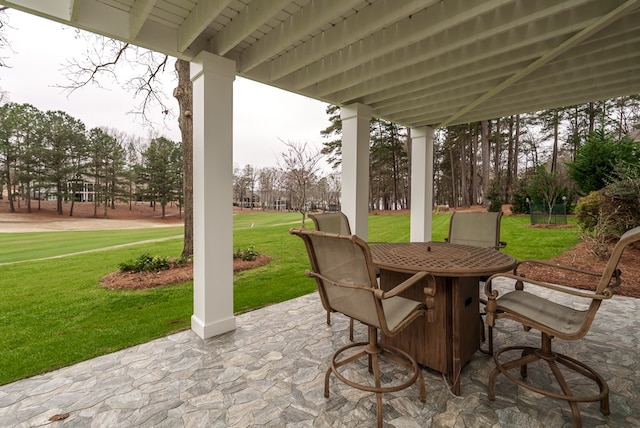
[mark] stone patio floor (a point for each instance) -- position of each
(270, 372)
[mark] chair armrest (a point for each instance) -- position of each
(429, 291)
(381, 294)
(491, 306)
(519, 285)
(556, 266)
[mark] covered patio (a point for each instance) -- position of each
(423, 64)
(270, 372)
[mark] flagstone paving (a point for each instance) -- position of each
(270, 372)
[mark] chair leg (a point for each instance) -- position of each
(566, 390)
(351, 329)
(545, 353)
(373, 351)
(373, 363)
(489, 350)
(328, 317)
(490, 334)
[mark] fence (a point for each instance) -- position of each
(540, 214)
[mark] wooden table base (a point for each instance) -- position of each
(449, 342)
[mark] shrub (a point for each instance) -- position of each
(519, 203)
(608, 213)
(183, 260)
(624, 197)
(495, 204)
(246, 254)
(145, 262)
(588, 211)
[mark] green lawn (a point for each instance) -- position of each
(52, 313)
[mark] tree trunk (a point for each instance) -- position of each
(454, 194)
(498, 150)
(516, 149)
(409, 160)
(473, 165)
(12, 208)
(59, 198)
(184, 94)
(510, 161)
(464, 188)
(486, 153)
(554, 155)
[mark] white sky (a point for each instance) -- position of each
(262, 115)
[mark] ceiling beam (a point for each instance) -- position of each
(572, 41)
(609, 47)
(295, 28)
(541, 94)
(252, 17)
(74, 6)
(61, 10)
(356, 27)
(489, 33)
(466, 61)
(616, 88)
(137, 17)
(200, 17)
(412, 29)
(548, 89)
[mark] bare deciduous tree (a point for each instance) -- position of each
(184, 94)
(100, 60)
(300, 163)
(4, 43)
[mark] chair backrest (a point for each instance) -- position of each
(333, 222)
(608, 281)
(481, 229)
(344, 273)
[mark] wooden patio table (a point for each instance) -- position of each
(447, 343)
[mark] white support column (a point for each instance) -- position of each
(212, 78)
(421, 184)
(355, 167)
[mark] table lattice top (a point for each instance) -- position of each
(441, 259)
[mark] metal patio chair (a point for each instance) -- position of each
(479, 229)
(333, 222)
(346, 280)
(554, 320)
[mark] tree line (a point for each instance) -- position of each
(537, 158)
(543, 159)
(298, 183)
(52, 155)
(546, 158)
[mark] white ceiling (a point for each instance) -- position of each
(415, 62)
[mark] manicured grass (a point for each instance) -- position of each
(52, 313)
(283, 278)
(35, 245)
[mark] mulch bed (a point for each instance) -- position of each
(175, 275)
(581, 257)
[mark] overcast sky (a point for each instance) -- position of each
(262, 115)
